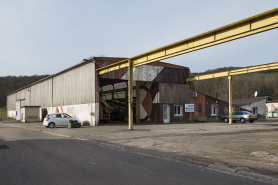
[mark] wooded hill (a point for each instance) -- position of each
(9, 84)
(244, 86)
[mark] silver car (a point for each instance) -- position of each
(241, 116)
(57, 119)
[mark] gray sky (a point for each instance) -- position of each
(47, 36)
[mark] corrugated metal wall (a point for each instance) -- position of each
(76, 86)
(73, 87)
(41, 94)
(173, 93)
(11, 102)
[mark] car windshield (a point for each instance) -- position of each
(245, 112)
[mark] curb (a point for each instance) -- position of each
(257, 176)
(222, 168)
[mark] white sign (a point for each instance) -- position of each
(189, 107)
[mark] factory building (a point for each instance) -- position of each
(159, 93)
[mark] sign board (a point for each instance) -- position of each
(189, 107)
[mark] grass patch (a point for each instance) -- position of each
(276, 145)
(3, 112)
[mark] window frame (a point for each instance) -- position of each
(180, 110)
(215, 110)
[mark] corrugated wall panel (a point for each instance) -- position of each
(41, 94)
(11, 99)
(76, 86)
(173, 93)
(23, 94)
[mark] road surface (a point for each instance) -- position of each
(30, 157)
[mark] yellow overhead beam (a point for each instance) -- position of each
(246, 27)
(251, 69)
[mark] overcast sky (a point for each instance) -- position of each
(47, 36)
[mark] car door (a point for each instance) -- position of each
(65, 119)
(234, 116)
(56, 118)
(240, 115)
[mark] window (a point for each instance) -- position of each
(178, 110)
(214, 110)
(56, 115)
(254, 110)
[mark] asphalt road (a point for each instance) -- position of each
(29, 157)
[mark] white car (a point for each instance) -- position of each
(58, 119)
(241, 116)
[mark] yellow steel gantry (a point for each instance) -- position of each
(243, 28)
(251, 69)
(246, 27)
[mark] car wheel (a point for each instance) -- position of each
(242, 120)
(51, 125)
(226, 120)
(234, 121)
(251, 121)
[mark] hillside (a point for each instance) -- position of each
(9, 84)
(244, 86)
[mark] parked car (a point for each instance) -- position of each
(57, 119)
(241, 116)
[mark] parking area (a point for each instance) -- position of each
(247, 147)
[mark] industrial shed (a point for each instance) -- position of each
(160, 92)
(71, 90)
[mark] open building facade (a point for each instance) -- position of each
(159, 93)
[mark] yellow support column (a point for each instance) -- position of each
(130, 94)
(230, 100)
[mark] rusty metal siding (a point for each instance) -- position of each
(173, 93)
(76, 86)
(199, 105)
(41, 94)
(104, 61)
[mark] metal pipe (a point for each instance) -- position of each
(230, 100)
(130, 94)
